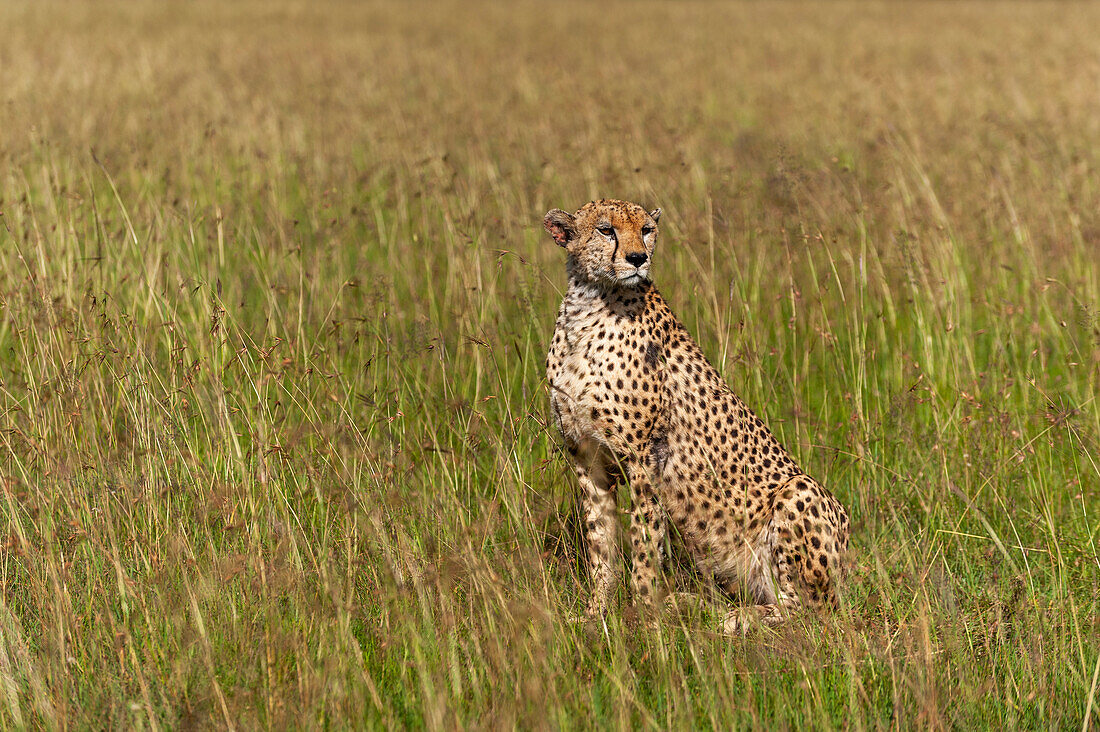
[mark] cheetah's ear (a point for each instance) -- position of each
(561, 225)
(655, 214)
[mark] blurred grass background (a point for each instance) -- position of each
(274, 301)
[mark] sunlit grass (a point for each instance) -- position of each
(274, 302)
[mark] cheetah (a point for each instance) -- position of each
(635, 398)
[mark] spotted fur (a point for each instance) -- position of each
(634, 397)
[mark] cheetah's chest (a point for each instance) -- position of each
(603, 378)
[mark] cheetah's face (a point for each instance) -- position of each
(609, 242)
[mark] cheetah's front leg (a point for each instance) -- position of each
(597, 477)
(647, 534)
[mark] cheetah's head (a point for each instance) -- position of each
(609, 242)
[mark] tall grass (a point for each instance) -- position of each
(274, 302)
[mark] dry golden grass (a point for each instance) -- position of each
(274, 300)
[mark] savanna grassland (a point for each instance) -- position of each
(274, 301)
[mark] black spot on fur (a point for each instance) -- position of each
(652, 354)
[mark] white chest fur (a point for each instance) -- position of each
(585, 366)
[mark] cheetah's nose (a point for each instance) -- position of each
(637, 258)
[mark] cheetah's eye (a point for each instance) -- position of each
(647, 230)
(605, 230)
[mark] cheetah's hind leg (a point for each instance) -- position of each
(798, 561)
(773, 584)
